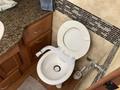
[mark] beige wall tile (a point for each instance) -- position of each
(99, 50)
(86, 81)
(115, 63)
(108, 10)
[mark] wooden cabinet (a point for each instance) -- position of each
(20, 57)
(10, 63)
(38, 35)
(39, 43)
(35, 36)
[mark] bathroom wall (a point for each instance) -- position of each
(109, 11)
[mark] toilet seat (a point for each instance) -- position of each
(73, 39)
(52, 79)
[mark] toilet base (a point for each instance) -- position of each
(59, 85)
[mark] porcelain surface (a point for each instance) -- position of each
(52, 70)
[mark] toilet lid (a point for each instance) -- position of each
(73, 39)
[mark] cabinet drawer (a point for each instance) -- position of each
(37, 28)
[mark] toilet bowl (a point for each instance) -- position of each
(57, 63)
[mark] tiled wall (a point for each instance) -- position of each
(103, 35)
(99, 49)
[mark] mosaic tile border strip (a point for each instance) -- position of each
(92, 22)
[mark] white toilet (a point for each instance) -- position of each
(57, 63)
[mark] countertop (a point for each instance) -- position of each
(16, 19)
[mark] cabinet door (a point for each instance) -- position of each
(37, 28)
(38, 44)
(10, 65)
(9, 62)
(35, 36)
